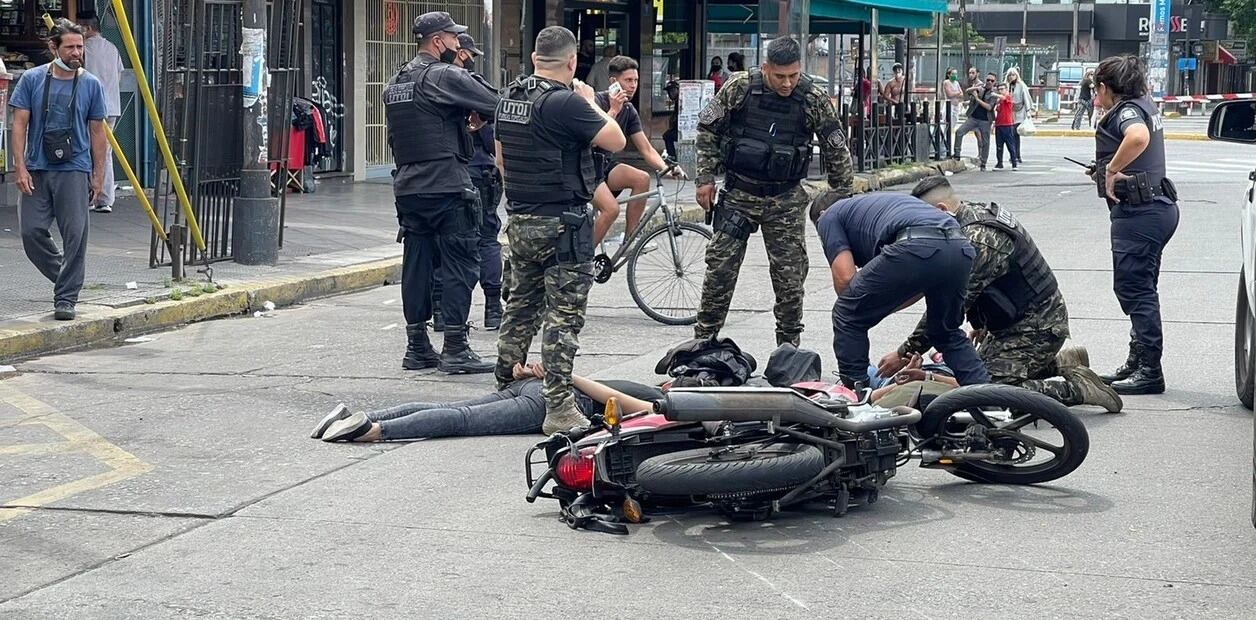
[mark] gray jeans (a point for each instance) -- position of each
(983, 137)
(59, 196)
(517, 409)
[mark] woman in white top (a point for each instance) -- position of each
(1022, 105)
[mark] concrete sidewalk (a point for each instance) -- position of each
(337, 240)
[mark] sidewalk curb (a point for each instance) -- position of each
(48, 336)
(1083, 133)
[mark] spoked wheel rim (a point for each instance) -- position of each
(665, 282)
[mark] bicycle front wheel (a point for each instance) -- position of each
(666, 270)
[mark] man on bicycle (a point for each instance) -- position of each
(759, 128)
(616, 176)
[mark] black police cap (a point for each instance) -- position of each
(431, 23)
(467, 42)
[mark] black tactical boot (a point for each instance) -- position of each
(1148, 378)
(419, 351)
(1131, 364)
(492, 309)
(457, 358)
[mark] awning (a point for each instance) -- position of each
(834, 17)
(891, 14)
(1225, 56)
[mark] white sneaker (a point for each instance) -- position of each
(102, 209)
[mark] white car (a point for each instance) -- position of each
(1235, 121)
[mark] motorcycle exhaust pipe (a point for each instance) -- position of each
(947, 457)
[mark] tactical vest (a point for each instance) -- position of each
(1108, 138)
(1027, 283)
(540, 168)
(418, 130)
(768, 137)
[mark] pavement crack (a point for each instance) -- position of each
(115, 511)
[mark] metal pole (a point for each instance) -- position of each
(941, 20)
(1024, 21)
(963, 37)
(255, 222)
(875, 45)
(1076, 9)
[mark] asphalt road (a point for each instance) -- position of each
(175, 477)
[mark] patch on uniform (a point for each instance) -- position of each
(514, 111)
(835, 137)
(402, 92)
(1128, 113)
(712, 113)
(1003, 216)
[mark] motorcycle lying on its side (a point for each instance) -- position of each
(752, 452)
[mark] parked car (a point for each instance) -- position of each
(1235, 121)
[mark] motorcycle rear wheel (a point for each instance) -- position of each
(748, 469)
(1026, 407)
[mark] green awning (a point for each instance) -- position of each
(887, 17)
(908, 6)
(833, 17)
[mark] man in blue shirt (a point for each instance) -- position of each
(886, 251)
(59, 152)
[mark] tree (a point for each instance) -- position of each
(1242, 14)
(951, 32)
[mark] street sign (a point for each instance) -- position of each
(1187, 64)
(1000, 44)
(1237, 47)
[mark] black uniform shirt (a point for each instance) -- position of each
(628, 119)
(453, 87)
(568, 118)
(863, 224)
(1112, 130)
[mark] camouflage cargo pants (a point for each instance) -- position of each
(542, 292)
(783, 221)
(1024, 355)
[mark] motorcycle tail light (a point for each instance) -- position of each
(575, 471)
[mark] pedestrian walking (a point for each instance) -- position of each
(886, 251)
(427, 104)
(1014, 305)
(981, 100)
(1129, 149)
(58, 150)
(547, 126)
(759, 129)
(101, 59)
(1022, 107)
(1005, 128)
(1085, 104)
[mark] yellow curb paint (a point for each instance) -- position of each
(122, 464)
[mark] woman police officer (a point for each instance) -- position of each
(1130, 174)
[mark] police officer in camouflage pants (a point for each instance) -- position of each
(547, 125)
(1014, 303)
(759, 129)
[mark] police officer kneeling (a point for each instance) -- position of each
(904, 249)
(427, 104)
(545, 133)
(1014, 304)
(1129, 149)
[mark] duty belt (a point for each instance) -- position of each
(757, 188)
(927, 232)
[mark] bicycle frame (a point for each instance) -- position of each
(620, 257)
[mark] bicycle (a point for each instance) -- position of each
(674, 250)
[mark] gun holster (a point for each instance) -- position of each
(733, 223)
(575, 243)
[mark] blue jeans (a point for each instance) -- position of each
(517, 409)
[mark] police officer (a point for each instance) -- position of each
(488, 183)
(547, 124)
(759, 128)
(1129, 151)
(886, 251)
(1014, 305)
(427, 104)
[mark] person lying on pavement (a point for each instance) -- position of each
(517, 409)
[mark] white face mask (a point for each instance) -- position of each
(64, 67)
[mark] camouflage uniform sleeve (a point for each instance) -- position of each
(823, 120)
(994, 251)
(712, 124)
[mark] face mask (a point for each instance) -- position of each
(469, 65)
(954, 78)
(64, 67)
(449, 55)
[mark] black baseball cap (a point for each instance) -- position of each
(467, 42)
(431, 23)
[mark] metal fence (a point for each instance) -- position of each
(200, 89)
(889, 135)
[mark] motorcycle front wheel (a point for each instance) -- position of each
(751, 468)
(1042, 439)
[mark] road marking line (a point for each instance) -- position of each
(79, 438)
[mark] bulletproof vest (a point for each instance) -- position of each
(419, 130)
(768, 137)
(1108, 138)
(1027, 283)
(540, 167)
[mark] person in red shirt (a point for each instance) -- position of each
(1005, 128)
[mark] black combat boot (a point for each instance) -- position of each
(457, 358)
(1148, 378)
(419, 351)
(1126, 369)
(492, 309)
